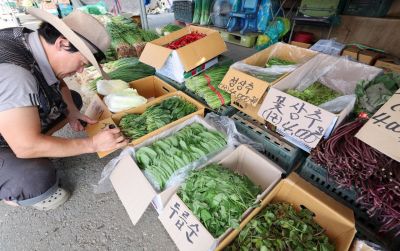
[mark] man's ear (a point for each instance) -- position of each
(61, 43)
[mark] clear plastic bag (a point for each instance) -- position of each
(211, 121)
(328, 46)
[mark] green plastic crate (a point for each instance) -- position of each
(247, 40)
(319, 8)
(276, 148)
(366, 226)
(367, 8)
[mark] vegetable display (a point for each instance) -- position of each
(371, 95)
(134, 126)
(185, 40)
(218, 197)
(127, 69)
(315, 94)
(375, 177)
(280, 227)
(206, 84)
(165, 157)
(279, 66)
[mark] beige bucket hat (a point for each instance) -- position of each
(86, 33)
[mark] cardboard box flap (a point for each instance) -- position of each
(151, 87)
(184, 228)
(245, 88)
(97, 109)
(382, 131)
(148, 55)
(132, 187)
(201, 51)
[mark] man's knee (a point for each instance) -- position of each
(39, 178)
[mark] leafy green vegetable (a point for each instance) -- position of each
(218, 197)
(134, 126)
(170, 28)
(280, 227)
(126, 69)
(277, 61)
(162, 159)
(197, 11)
(371, 95)
(315, 94)
(200, 85)
(205, 12)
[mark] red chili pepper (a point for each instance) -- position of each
(185, 40)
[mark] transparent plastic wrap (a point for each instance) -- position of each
(336, 73)
(274, 61)
(328, 46)
(363, 245)
(212, 121)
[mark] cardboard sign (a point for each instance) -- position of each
(243, 87)
(184, 227)
(305, 123)
(382, 131)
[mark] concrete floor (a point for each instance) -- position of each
(87, 221)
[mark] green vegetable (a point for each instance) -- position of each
(197, 11)
(280, 227)
(134, 126)
(149, 35)
(205, 12)
(170, 28)
(162, 159)
(277, 61)
(218, 197)
(315, 94)
(199, 85)
(127, 69)
(371, 95)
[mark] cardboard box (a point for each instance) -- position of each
(382, 131)
(363, 56)
(335, 218)
(116, 118)
(257, 168)
(388, 64)
(178, 64)
(149, 87)
(302, 123)
(250, 101)
(132, 186)
(300, 44)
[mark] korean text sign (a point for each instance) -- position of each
(295, 118)
(184, 228)
(382, 131)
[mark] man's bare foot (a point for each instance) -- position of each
(11, 203)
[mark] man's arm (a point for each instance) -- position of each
(20, 127)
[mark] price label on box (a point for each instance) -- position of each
(382, 131)
(299, 120)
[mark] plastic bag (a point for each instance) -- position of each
(123, 100)
(95, 9)
(106, 87)
(330, 47)
(211, 121)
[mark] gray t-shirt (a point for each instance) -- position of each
(18, 87)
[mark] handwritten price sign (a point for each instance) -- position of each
(382, 131)
(303, 122)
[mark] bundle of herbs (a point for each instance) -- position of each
(218, 197)
(166, 157)
(206, 84)
(134, 126)
(315, 94)
(273, 63)
(355, 165)
(280, 227)
(126, 69)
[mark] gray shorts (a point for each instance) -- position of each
(28, 181)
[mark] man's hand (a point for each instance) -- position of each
(108, 139)
(76, 125)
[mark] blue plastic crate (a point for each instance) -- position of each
(276, 148)
(367, 227)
